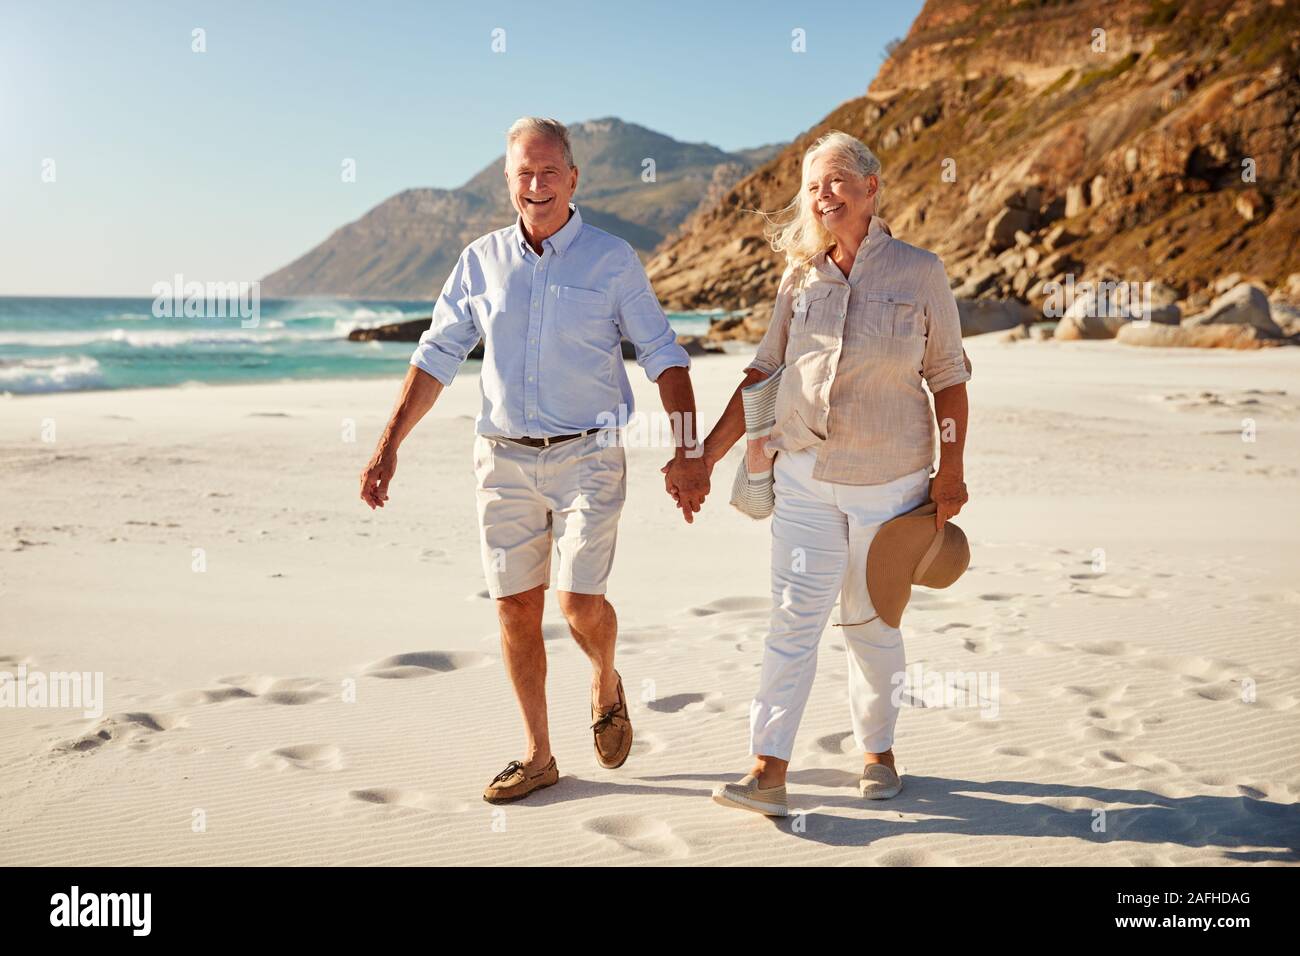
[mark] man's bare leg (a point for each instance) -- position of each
(525, 656)
(594, 625)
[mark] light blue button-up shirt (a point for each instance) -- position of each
(551, 327)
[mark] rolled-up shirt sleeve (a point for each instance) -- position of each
(642, 321)
(453, 332)
(771, 349)
(944, 363)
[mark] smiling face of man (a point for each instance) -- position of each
(840, 198)
(541, 183)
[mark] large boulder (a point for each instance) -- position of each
(1243, 304)
(979, 316)
(693, 344)
(1001, 231)
(1287, 316)
(748, 327)
(1196, 336)
(1091, 316)
(409, 331)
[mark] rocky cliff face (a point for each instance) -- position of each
(1021, 145)
(405, 246)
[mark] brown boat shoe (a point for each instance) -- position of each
(515, 782)
(612, 730)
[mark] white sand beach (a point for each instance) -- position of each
(1133, 590)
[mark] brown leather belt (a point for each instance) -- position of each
(546, 442)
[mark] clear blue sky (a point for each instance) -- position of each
(225, 165)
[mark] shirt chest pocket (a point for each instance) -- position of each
(576, 300)
(816, 310)
(585, 315)
(891, 314)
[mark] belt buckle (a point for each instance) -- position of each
(547, 439)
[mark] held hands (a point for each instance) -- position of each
(948, 492)
(687, 480)
(375, 478)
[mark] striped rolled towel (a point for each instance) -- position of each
(751, 492)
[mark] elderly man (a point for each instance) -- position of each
(551, 297)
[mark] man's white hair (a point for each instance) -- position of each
(527, 125)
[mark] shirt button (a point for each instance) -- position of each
(533, 341)
(530, 378)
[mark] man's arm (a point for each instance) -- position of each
(451, 334)
(642, 322)
(687, 475)
(419, 391)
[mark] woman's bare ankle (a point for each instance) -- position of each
(770, 772)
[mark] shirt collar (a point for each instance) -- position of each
(558, 242)
(877, 229)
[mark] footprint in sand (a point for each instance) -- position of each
(646, 835)
(1220, 691)
(137, 730)
(325, 757)
(1219, 779)
(424, 664)
(840, 743)
(1107, 692)
(712, 703)
(1114, 758)
(216, 695)
(740, 606)
(913, 857)
(1195, 670)
(927, 601)
(639, 635)
(291, 691)
(1108, 649)
(1118, 591)
(1101, 724)
(980, 644)
(398, 798)
(645, 744)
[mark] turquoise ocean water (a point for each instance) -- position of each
(59, 344)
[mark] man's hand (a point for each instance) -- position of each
(687, 480)
(948, 492)
(375, 478)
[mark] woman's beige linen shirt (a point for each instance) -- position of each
(856, 351)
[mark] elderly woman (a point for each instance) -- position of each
(861, 320)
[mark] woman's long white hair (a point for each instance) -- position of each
(796, 229)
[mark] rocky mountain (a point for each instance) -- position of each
(1024, 141)
(405, 246)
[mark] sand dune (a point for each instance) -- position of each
(328, 687)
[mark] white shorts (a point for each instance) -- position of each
(566, 498)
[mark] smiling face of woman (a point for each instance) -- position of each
(843, 201)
